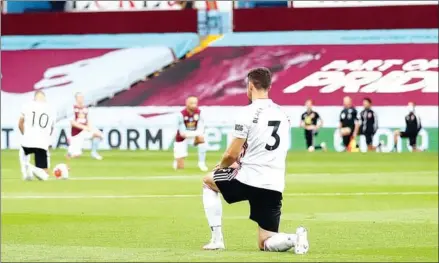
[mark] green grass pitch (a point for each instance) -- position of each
(133, 206)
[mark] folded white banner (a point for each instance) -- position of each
(121, 5)
(97, 78)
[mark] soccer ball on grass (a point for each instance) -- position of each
(61, 171)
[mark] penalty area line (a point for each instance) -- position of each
(191, 196)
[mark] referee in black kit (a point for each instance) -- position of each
(311, 122)
(369, 124)
(349, 125)
(412, 128)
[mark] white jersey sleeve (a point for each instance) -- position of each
(242, 124)
(180, 123)
(200, 124)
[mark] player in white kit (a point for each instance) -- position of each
(253, 169)
(36, 125)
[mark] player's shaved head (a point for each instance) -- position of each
(347, 102)
(39, 95)
(191, 103)
(79, 97)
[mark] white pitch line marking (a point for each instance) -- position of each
(136, 178)
(196, 177)
(199, 176)
(191, 196)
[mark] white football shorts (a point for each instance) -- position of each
(180, 148)
(77, 142)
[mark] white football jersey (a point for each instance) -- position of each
(267, 130)
(39, 120)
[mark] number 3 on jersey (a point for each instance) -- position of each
(275, 135)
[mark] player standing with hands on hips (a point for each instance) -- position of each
(36, 126)
(253, 169)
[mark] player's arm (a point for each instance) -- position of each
(418, 122)
(357, 124)
(361, 120)
(24, 109)
(181, 127)
(78, 125)
(356, 129)
(232, 153)
(319, 121)
(375, 123)
(240, 135)
(340, 124)
(21, 124)
(302, 121)
(183, 131)
(54, 120)
(200, 125)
